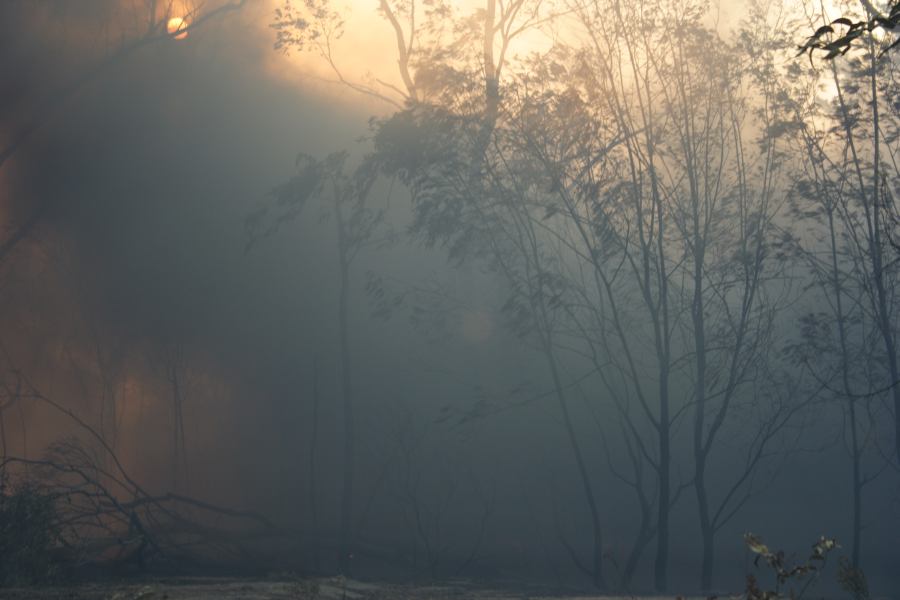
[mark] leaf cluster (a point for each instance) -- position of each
(783, 570)
(839, 36)
(285, 201)
(853, 580)
(306, 24)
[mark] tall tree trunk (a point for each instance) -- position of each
(597, 563)
(857, 487)
(345, 542)
(855, 450)
(709, 554)
(707, 531)
(645, 535)
(313, 479)
(661, 562)
(664, 353)
(884, 320)
(539, 308)
(491, 94)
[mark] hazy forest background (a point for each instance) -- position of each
(576, 292)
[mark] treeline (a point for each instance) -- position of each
(702, 218)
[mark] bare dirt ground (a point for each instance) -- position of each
(299, 589)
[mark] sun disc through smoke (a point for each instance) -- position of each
(177, 28)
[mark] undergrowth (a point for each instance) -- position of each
(792, 579)
(28, 533)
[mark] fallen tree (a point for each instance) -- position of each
(78, 507)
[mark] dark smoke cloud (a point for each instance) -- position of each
(148, 172)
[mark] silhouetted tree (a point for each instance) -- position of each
(845, 197)
(347, 195)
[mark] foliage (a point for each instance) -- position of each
(839, 36)
(852, 580)
(310, 23)
(783, 570)
(315, 179)
(28, 533)
(285, 200)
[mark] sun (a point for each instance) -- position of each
(177, 28)
(827, 90)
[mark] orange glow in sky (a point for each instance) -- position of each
(367, 52)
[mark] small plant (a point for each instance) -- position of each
(784, 572)
(852, 580)
(28, 532)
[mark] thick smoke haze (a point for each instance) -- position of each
(149, 171)
(139, 286)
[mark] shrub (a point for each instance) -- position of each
(784, 571)
(852, 580)
(28, 533)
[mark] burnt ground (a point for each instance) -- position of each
(283, 589)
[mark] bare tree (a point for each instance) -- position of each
(172, 360)
(846, 146)
(431, 503)
(672, 233)
(356, 222)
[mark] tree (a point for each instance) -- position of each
(844, 144)
(437, 48)
(617, 206)
(426, 487)
(495, 219)
(171, 360)
(355, 225)
(628, 193)
(868, 123)
(725, 199)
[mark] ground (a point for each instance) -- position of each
(281, 589)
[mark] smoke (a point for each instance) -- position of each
(143, 177)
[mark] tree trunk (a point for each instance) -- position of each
(709, 555)
(884, 320)
(313, 448)
(857, 487)
(597, 562)
(637, 550)
(661, 563)
(345, 542)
